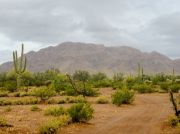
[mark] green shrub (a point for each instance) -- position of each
(77, 99)
(159, 78)
(173, 121)
(3, 93)
(55, 111)
(177, 81)
(8, 109)
(25, 101)
(20, 94)
(80, 112)
(148, 82)
(52, 125)
(143, 88)
(102, 83)
(98, 77)
(89, 91)
(164, 86)
(5, 102)
(10, 85)
(122, 97)
(70, 99)
(16, 94)
(60, 83)
(61, 101)
(117, 85)
(52, 101)
(43, 93)
(175, 88)
(100, 80)
(70, 92)
(35, 108)
(23, 94)
(130, 81)
(118, 77)
(102, 100)
(80, 99)
(4, 123)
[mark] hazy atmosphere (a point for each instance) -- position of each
(148, 25)
(89, 67)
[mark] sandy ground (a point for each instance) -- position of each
(147, 115)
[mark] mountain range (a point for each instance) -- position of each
(72, 56)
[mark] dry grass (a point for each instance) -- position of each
(108, 119)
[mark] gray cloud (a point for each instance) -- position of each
(147, 24)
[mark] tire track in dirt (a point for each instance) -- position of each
(145, 116)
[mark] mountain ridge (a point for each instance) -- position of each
(71, 56)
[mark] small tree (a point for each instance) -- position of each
(82, 76)
(123, 96)
(19, 65)
(43, 93)
(99, 76)
(81, 112)
(85, 90)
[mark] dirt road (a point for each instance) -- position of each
(145, 116)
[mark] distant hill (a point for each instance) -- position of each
(70, 56)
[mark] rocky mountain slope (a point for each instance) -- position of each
(70, 56)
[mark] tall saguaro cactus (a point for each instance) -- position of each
(173, 76)
(19, 65)
(140, 72)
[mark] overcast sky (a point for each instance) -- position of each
(149, 25)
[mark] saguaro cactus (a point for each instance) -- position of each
(139, 70)
(173, 76)
(19, 65)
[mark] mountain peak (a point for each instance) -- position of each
(71, 56)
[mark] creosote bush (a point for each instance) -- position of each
(164, 86)
(44, 93)
(102, 100)
(123, 96)
(173, 121)
(35, 108)
(81, 112)
(4, 123)
(143, 88)
(175, 88)
(3, 93)
(8, 109)
(24, 101)
(80, 99)
(117, 85)
(55, 111)
(53, 125)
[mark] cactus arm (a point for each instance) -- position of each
(15, 61)
(22, 57)
(19, 65)
(139, 69)
(25, 63)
